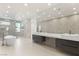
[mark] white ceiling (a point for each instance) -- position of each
(40, 11)
(60, 10)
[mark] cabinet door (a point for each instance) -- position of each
(38, 39)
(68, 46)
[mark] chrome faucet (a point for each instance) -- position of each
(69, 31)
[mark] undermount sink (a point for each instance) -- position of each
(66, 34)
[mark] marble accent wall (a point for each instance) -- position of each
(61, 25)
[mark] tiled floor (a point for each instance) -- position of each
(25, 47)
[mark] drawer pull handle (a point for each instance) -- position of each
(70, 46)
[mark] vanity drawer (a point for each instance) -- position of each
(68, 42)
(38, 39)
(68, 46)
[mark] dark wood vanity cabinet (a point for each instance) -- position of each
(68, 46)
(64, 45)
(38, 39)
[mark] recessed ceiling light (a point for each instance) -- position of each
(49, 4)
(54, 8)
(25, 4)
(75, 12)
(9, 7)
(74, 8)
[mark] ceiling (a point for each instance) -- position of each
(39, 11)
(20, 11)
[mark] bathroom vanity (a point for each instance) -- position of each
(64, 42)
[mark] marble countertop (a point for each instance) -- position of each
(65, 36)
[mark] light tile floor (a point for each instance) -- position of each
(25, 47)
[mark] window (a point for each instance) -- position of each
(18, 26)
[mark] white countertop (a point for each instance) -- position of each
(66, 36)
